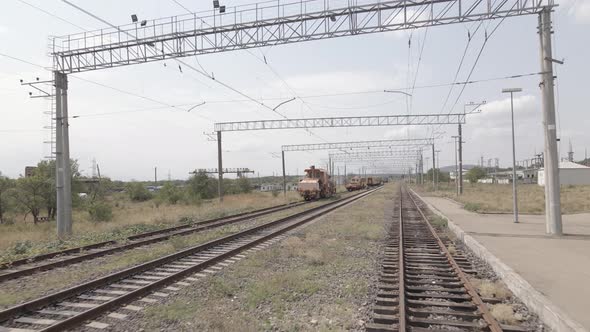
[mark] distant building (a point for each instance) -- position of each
(570, 173)
(30, 171)
(453, 174)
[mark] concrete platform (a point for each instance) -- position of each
(559, 268)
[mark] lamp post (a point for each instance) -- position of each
(514, 178)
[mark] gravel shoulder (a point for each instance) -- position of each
(320, 277)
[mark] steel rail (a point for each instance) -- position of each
(492, 323)
(296, 219)
(402, 272)
(164, 234)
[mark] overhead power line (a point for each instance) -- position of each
(185, 64)
(264, 60)
(167, 105)
(52, 15)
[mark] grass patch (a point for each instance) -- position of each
(23, 239)
(438, 221)
(473, 207)
(493, 289)
(452, 249)
(503, 313)
(497, 198)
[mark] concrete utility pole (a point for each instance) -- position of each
(63, 170)
(456, 167)
(438, 163)
(514, 177)
(219, 168)
(460, 134)
(155, 176)
(421, 168)
(433, 168)
(552, 185)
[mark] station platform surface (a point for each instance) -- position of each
(559, 267)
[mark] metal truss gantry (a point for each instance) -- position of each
(386, 163)
(344, 121)
(358, 145)
(267, 24)
(376, 154)
(345, 146)
(332, 122)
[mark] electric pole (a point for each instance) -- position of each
(551, 161)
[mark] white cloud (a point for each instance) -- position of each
(495, 116)
(3, 29)
(578, 9)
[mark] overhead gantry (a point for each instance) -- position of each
(269, 23)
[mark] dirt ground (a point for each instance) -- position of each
(319, 278)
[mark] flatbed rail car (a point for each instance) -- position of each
(356, 183)
(316, 184)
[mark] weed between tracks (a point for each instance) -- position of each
(316, 279)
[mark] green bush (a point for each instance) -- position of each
(244, 185)
(100, 211)
(138, 192)
(475, 174)
(201, 186)
(170, 194)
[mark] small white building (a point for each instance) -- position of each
(570, 173)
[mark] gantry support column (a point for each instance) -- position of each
(552, 185)
(219, 168)
(63, 180)
(284, 176)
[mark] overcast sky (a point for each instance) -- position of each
(127, 145)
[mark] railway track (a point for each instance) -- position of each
(74, 306)
(32, 265)
(422, 287)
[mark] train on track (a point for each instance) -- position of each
(316, 184)
(356, 183)
(374, 181)
(359, 183)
